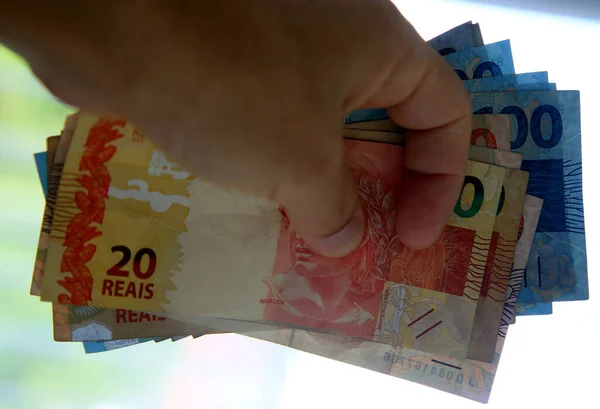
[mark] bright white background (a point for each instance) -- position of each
(550, 361)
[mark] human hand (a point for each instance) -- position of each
(251, 94)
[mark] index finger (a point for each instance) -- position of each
(424, 95)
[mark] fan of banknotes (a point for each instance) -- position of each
(133, 248)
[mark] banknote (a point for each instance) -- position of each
(138, 323)
(490, 131)
(270, 257)
(542, 308)
(510, 82)
(472, 379)
(483, 154)
(84, 323)
(88, 327)
(531, 213)
(58, 149)
(517, 82)
(105, 346)
(467, 35)
(97, 347)
(490, 309)
(547, 131)
(490, 306)
(95, 330)
(493, 59)
(467, 378)
(498, 137)
(41, 160)
(87, 323)
(486, 155)
(500, 257)
(96, 323)
(498, 267)
(91, 330)
(493, 131)
(74, 323)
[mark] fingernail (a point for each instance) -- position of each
(344, 240)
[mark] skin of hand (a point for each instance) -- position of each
(251, 95)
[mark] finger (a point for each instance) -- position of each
(424, 95)
(322, 203)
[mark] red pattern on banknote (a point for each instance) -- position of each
(344, 293)
(441, 267)
(486, 134)
(90, 201)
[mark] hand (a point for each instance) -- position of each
(251, 94)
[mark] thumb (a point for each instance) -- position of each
(323, 207)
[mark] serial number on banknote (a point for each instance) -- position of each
(440, 369)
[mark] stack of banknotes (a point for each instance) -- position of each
(133, 248)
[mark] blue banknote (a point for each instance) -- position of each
(546, 129)
(516, 82)
(542, 308)
(488, 60)
(467, 35)
(531, 81)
